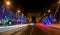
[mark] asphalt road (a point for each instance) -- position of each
(41, 30)
(37, 29)
(32, 30)
(50, 30)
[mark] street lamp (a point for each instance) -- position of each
(44, 14)
(7, 3)
(48, 11)
(19, 11)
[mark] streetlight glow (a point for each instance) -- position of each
(44, 14)
(22, 15)
(7, 3)
(19, 11)
(48, 11)
(58, 1)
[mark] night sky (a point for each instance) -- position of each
(34, 5)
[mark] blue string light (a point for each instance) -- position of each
(48, 19)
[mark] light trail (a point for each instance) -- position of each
(7, 28)
(45, 28)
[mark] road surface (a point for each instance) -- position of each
(37, 29)
(32, 30)
(41, 30)
(53, 29)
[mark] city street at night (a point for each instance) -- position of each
(29, 17)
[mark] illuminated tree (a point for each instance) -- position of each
(48, 19)
(2, 12)
(10, 14)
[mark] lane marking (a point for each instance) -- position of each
(32, 30)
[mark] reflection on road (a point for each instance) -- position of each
(52, 29)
